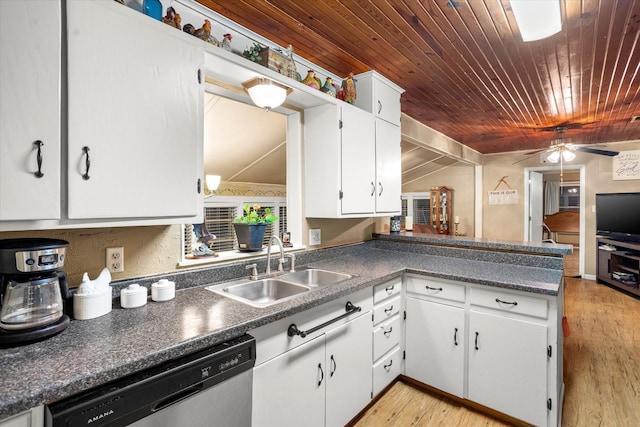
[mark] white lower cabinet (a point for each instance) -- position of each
(323, 379)
(31, 418)
(499, 348)
(435, 345)
(508, 366)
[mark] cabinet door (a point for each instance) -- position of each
(388, 168)
(358, 161)
(508, 366)
(289, 390)
(136, 103)
(349, 380)
(30, 52)
(435, 340)
(387, 102)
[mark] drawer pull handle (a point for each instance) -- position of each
(321, 374)
(388, 365)
(39, 144)
(429, 288)
(388, 310)
(350, 309)
(476, 344)
(389, 289)
(455, 336)
(386, 333)
(513, 303)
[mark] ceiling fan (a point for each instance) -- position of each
(561, 149)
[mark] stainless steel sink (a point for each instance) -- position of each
(259, 293)
(315, 277)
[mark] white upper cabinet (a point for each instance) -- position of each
(339, 146)
(379, 96)
(135, 103)
(388, 168)
(30, 52)
(352, 163)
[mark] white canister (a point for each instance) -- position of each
(133, 296)
(408, 223)
(163, 290)
(92, 305)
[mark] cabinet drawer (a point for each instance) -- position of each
(386, 370)
(436, 288)
(510, 302)
(272, 339)
(386, 336)
(386, 310)
(387, 290)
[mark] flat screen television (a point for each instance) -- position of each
(618, 216)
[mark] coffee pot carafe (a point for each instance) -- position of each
(33, 289)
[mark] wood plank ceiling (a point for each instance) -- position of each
(466, 71)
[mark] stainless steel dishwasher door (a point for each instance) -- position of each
(227, 404)
(208, 388)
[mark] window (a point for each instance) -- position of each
(570, 196)
(418, 204)
(219, 213)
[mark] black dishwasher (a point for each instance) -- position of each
(209, 388)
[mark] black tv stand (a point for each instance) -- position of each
(619, 264)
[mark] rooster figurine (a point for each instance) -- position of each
(311, 80)
(349, 89)
(204, 32)
(328, 88)
(226, 42)
(172, 18)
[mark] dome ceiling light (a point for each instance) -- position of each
(266, 93)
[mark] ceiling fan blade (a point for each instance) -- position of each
(596, 151)
(537, 151)
(527, 156)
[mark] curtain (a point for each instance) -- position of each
(551, 197)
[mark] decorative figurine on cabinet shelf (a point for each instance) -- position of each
(172, 18)
(329, 88)
(226, 42)
(152, 8)
(349, 89)
(204, 32)
(311, 80)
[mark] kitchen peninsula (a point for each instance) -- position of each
(94, 352)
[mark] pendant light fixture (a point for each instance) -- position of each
(266, 93)
(537, 19)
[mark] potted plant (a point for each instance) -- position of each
(251, 226)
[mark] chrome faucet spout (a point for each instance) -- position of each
(277, 239)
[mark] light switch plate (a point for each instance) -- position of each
(315, 237)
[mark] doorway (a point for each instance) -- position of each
(533, 213)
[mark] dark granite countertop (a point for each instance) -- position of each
(93, 352)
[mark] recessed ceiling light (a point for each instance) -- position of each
(635, 119)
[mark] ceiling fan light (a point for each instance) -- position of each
(567, 155)
(266, 93)
(554, 156)
(537, 19)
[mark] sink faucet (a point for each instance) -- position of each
(280, 261)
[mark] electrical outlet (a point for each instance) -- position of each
(115, 260)
(314, 237)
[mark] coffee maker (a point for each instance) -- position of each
(33, 289)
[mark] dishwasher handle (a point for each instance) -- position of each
(350, 309)
(177, 397)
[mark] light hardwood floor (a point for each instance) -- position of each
(601, 370)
